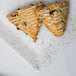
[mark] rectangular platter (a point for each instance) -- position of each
(47, 46)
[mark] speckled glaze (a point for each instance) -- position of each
(47, 45)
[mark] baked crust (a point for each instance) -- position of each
(26, 20)
(54, 17)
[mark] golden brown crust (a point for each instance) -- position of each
(54, 16)
(26, 20)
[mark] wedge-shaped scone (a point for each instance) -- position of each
(26, 20)
(54, 16)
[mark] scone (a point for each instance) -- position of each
(54, 17)
(26, 20)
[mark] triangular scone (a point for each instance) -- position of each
(26, 20)
(54, 16)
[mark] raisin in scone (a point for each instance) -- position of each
(26, 20)
(54, 17)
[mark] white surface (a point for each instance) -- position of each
(63, 65)
(47, 46)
